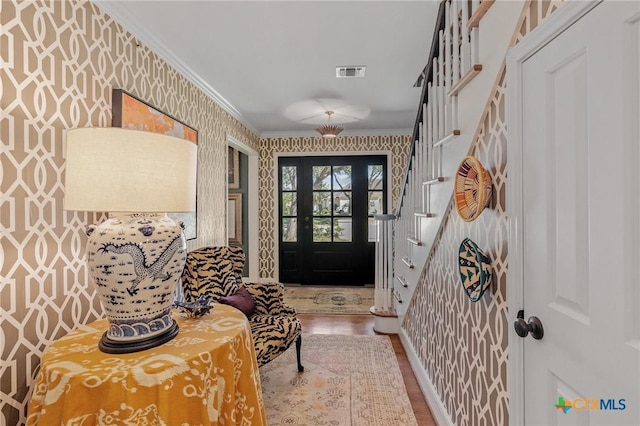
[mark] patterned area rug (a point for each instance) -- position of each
(348, 380)
(330, 300)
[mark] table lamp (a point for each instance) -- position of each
(136, 257)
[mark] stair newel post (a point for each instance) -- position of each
(386, 318)
(379, 259)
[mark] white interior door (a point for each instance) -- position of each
(576, 240)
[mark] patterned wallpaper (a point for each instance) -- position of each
(462, 345)
(397, 145)
(59, 62)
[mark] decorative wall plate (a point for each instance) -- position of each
(475, 269)
(472, 190)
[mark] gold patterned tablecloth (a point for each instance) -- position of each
(206, 375)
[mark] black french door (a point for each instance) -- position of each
(326, 207)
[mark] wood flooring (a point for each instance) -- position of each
(363, 325)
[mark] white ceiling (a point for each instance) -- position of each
(272, 63)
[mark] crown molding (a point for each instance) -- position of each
(313, 133)
(118, 13)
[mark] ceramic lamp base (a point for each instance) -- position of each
(136, 260)
(111, 346)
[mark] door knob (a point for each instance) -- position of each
(533, 326)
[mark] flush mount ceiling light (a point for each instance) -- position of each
(329, 130)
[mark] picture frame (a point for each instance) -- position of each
(233, 168)
(130, 112)
(234, 218)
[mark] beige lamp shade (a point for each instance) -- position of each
(109, 169)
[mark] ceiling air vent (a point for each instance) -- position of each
(351, 71)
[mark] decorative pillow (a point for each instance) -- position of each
(241, 300)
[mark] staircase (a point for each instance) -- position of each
(457, 82)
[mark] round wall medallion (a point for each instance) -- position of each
(472, 190)
(475, 269)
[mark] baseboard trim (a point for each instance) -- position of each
(438, 410)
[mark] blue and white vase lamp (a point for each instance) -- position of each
(136, 257)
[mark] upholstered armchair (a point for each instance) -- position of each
(216, 272)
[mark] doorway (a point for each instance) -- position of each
(574, 213)
(248, 180)
(325, 212)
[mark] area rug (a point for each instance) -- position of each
(330, 300)
(347, 380)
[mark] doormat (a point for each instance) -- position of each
(330, 300)
(347, 380)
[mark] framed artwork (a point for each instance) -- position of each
(234, 218)
(234, 168)
(130, 112)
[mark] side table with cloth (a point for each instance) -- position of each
(206, 375)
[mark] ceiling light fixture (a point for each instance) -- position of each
(329, 130)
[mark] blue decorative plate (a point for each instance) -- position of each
(475, 269)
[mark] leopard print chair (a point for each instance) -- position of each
(216, 272)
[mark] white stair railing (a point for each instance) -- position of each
(455, 62)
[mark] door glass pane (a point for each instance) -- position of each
(342, 229)
(371, 226)
(322, 203)
(289, 178)
(289, 204)
(321, 176)
(341, 177)
(289, 229)
(342, 203)
(375, 203)
(375, 176)
(321, 230)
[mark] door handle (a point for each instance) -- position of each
(533, 326)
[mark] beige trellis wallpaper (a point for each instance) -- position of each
(59, 62)
(398, 146)
(462, 345)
